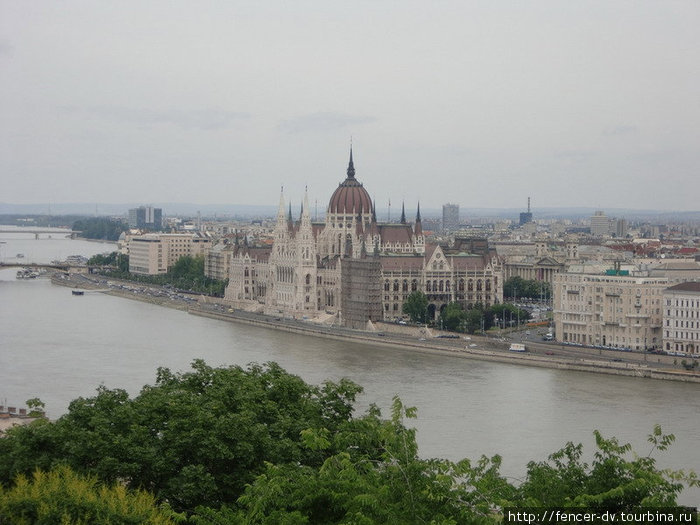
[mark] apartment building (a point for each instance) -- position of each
(155, 253)
(681, 330)
(613, 309)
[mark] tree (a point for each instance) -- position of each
(195, 438)
(516, 287)
(416, 306)
(473, 320)
(511, 312)
(612, 482)
(100, 228)
(62, 496)
(259, 445)
(395, 486)
(452, 316)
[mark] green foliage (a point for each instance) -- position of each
(453, 316)
(516, 287)
(186, 274)
(510, 312)
(261, 446)
(116, 260)
(100, 228)
(36, 407)
(62, 496)
(416, 306)
(473, 320)
(391, 485)
(192, 439)
(612, 482)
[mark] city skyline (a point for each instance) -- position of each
(481, 104)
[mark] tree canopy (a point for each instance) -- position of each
(100, 228)
(215, 446)
(416, 306)
(517, 287)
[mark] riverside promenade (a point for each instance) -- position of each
(407, 338)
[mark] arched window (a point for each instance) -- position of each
(414, 285)
(396, 286)
(442, 285)
(404, 286)
(427, 287)
(308, 278)
(470, 285)
(461, 285)
(478, 285)
(447, 286)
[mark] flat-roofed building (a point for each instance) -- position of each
(450, 217)
(600, 224)
(612, 309)
(217, 263)
(155, 253)
(681, 331)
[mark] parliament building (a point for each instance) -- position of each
(353, 270)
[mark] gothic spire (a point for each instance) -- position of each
(351, 166)
(289, 217)
(418, 228)
(280, 210)
(403, 213)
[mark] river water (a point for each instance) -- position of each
(57, 347)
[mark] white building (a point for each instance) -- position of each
(600, 224)
(301, 273)
(681, 331)
(611, 309)
(155, 253)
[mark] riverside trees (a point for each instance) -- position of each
(259, 445)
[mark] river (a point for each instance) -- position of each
(57, 347)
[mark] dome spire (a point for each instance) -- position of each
(351, 166)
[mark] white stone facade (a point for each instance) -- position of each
(681, 330)
(619, 311)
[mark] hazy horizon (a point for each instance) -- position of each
(589, 105)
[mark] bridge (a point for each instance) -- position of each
(36, 266)
(55, 231)
(64, 266)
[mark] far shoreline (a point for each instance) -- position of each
(487, 350)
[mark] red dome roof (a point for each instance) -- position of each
(350, 196)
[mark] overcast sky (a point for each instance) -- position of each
(482, 103)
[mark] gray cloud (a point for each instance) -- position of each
(574, 155)
(5, 47)
(323, 121)
(622, 129)
(203, 119)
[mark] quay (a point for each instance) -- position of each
(408, 338)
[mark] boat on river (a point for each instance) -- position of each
(78, 292)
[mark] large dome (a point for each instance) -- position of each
(350, 196)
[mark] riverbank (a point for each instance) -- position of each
(388, 335)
